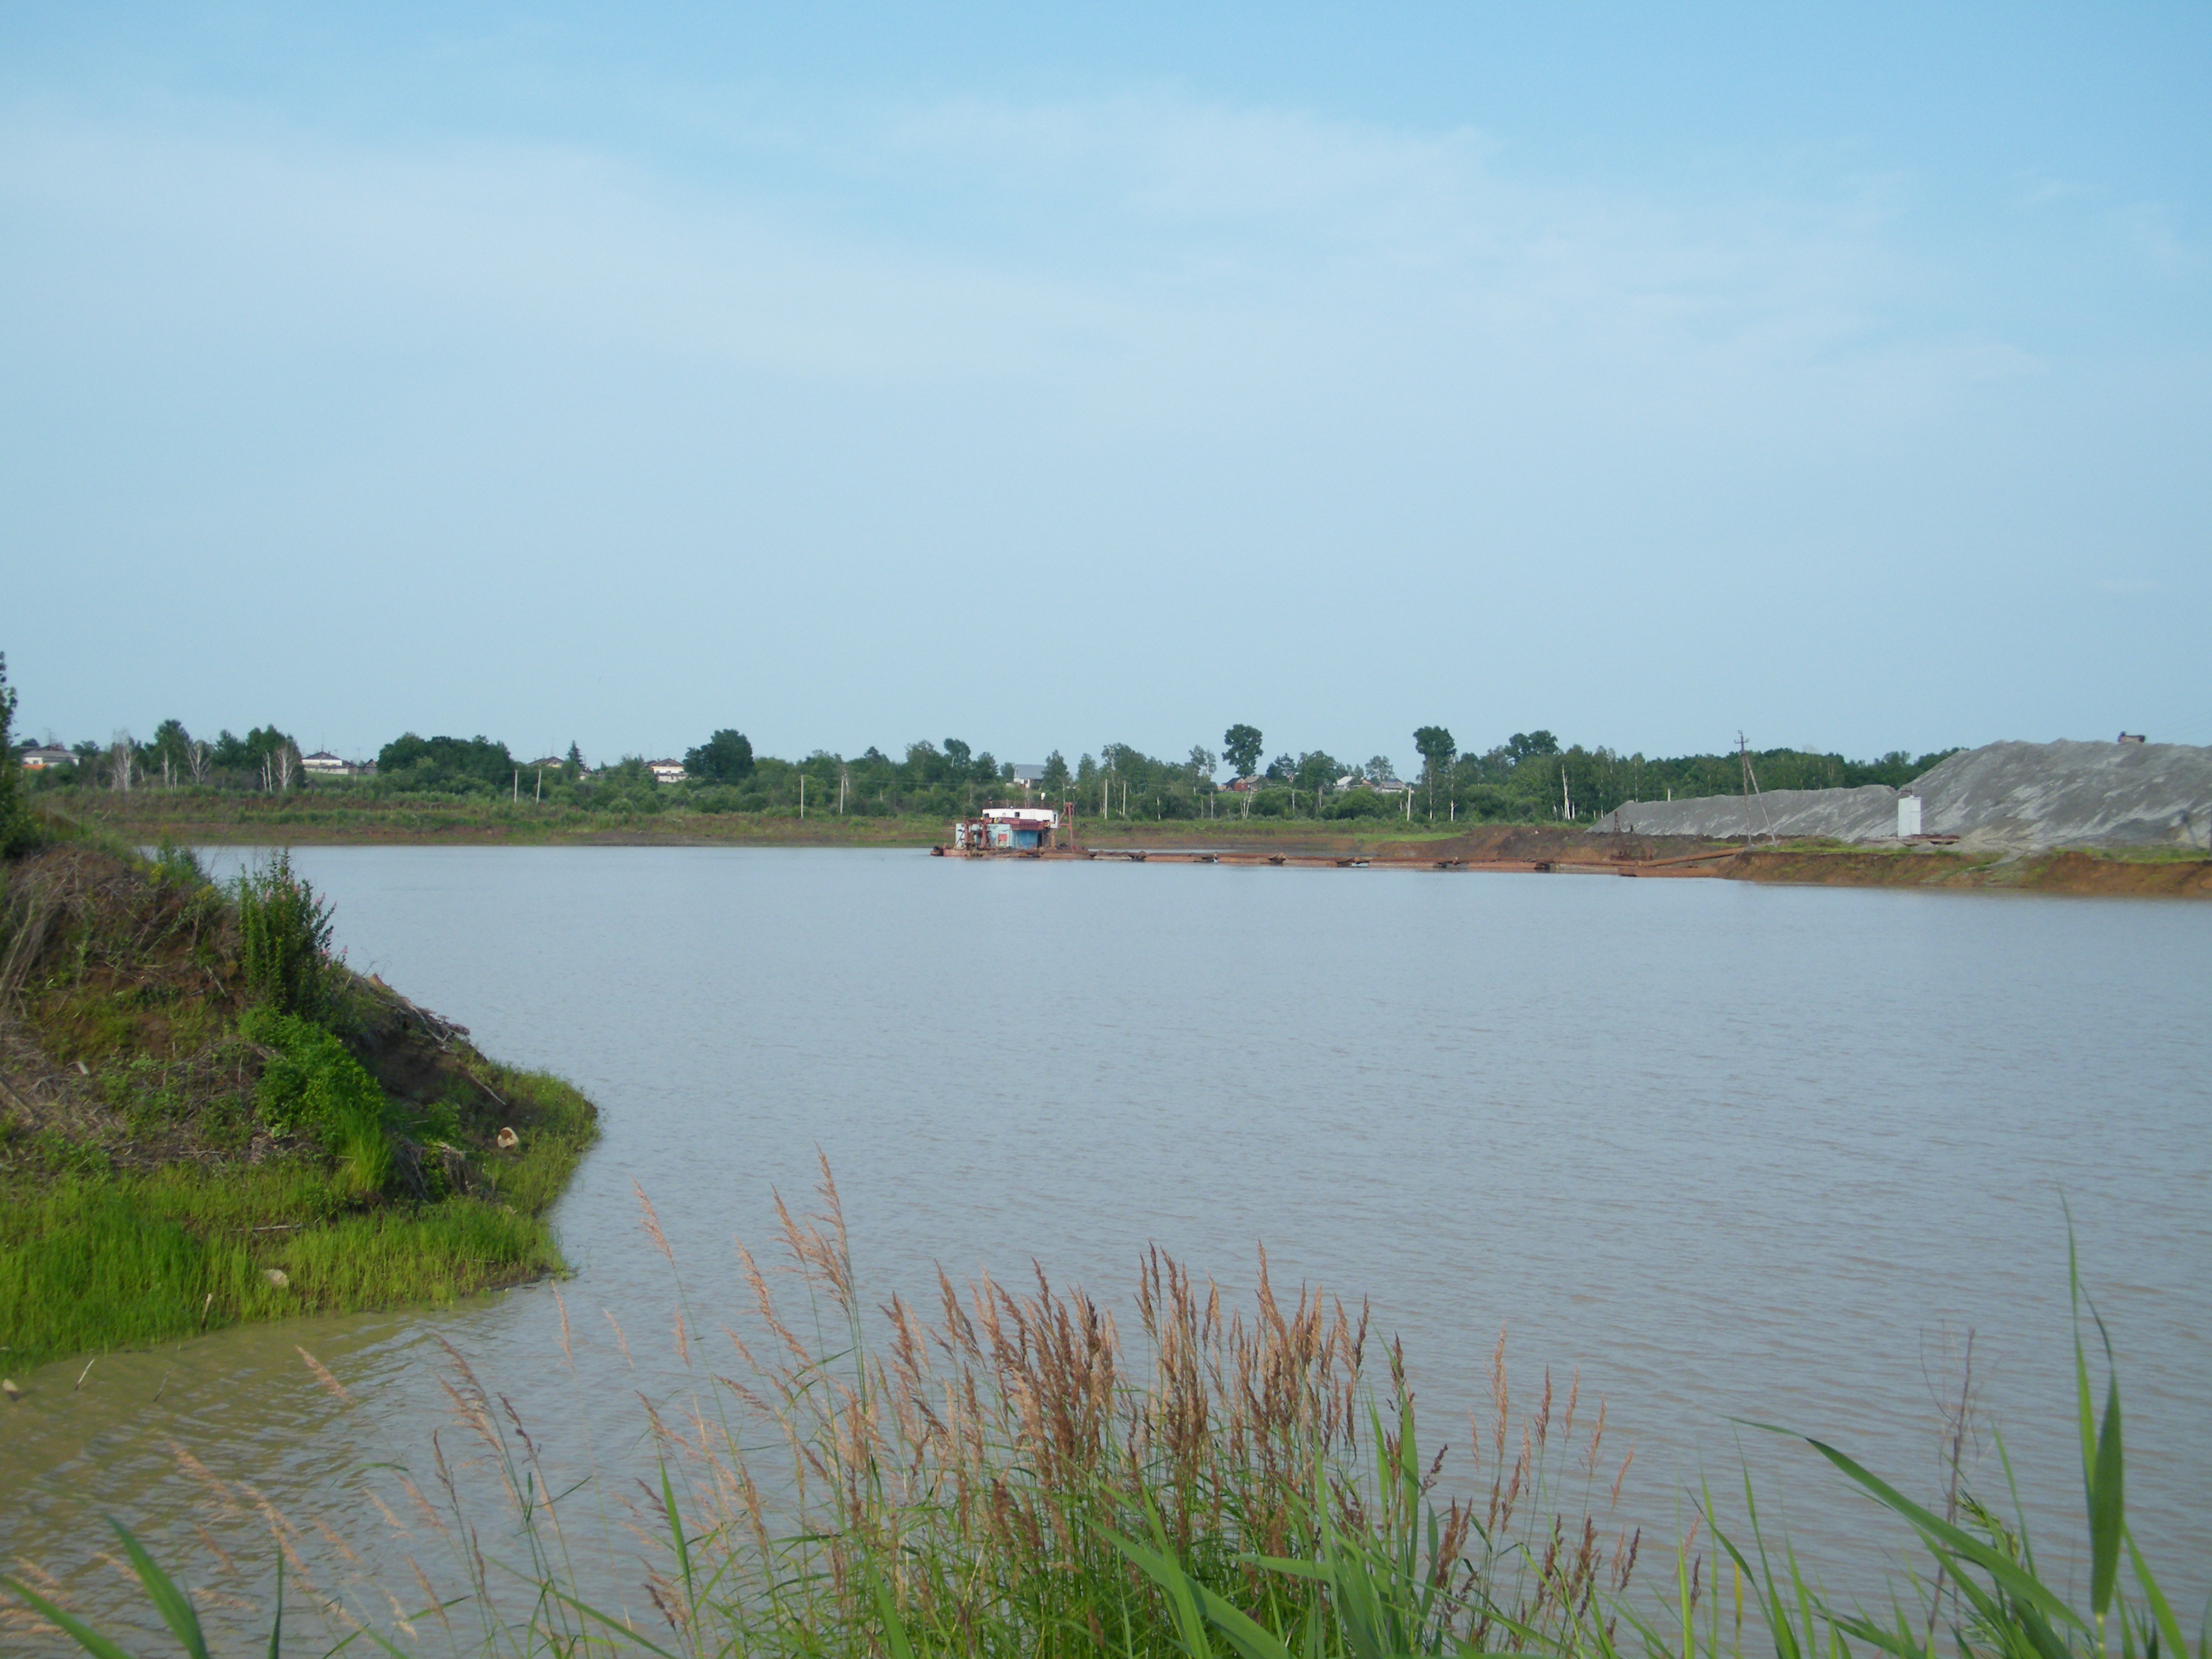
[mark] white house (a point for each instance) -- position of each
(666, 771)
(323, 764)
(45, 755)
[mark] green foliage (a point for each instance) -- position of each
(14, 822)
(312, 1086)
(244, 757)
(179, 866)
(1240, 746)
(559, 1125)
(453, 764)
(168, 756)
(1369, 803)
(52, 1152)
(725, 757)
(105, 1262)
(1531, 777)
(284, 936)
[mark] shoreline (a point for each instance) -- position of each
(1498, 848)
(206, 1121)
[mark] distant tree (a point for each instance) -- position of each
(15, 823)
(1202, 763)
(1525, 745)
(725, 757)
(1055, 781)
(1437, 749)
(411, 762)
(1379, 769)
(254, 753)
(1282, 768)
(573, 767)
(1317, 771)
(122, 761)
(1242, 745)
(171, 749)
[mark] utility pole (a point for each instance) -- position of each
(802, 797)
(1750, 789)
(1743, 761)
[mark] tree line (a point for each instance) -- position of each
(1530, 777)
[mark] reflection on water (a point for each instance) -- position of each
(1732, 1151)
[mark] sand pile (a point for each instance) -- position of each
(2015, 797)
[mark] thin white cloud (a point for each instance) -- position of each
(1115, 246)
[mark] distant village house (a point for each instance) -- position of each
(47, 755)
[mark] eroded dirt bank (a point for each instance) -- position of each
(2045, 872)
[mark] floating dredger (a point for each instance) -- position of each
(1008, 829)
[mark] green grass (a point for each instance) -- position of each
(98, 1261)
(241, 1148)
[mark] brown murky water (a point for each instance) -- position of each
(1732, 1151)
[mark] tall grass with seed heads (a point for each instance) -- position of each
(998, 1471)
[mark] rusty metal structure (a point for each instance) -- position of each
(1033, 830)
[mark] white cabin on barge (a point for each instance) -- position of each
(1008, 829)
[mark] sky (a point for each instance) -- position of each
(1049, 377)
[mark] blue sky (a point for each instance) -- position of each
(1049, 377)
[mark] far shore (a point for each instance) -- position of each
(302, 820)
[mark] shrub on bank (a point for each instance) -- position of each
(312, 1085)
(214, 1109)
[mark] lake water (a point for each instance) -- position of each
(1732, 1151)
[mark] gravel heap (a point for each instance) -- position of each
(2011, 797)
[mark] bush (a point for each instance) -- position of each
(15, 823)
(312, 1086)
(285, 937)
(1364, 804)
(179, 866)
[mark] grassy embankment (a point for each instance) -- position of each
(1004, 1477)
(204, 1120)
(309, 816)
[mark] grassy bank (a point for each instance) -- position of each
(204, 1119)
(309, 818)
(995, 1472)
